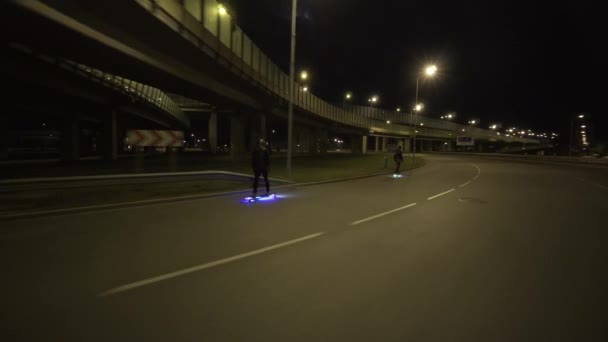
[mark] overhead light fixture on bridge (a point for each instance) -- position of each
(221, 9)
(304, 75)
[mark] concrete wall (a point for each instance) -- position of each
(237, 42)
(211, 16)
(225, 27)
(195, 8)
(247, 50)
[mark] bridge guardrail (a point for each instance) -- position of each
(148, 94)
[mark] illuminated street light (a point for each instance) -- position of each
(222, 10)
(429, 71)
(398, 109)
(304, 75)
(583, 126)
(305, 88)
(348, 95)
(581, 116)
(388, 122)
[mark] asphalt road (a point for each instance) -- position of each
(516, 252)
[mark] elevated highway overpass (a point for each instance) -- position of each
(188, 48)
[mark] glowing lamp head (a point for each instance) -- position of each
(304, 75)
(222, 10)
(430, 70)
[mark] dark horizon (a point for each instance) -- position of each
(526, 66)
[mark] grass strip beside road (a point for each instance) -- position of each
(305, 169)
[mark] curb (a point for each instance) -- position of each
(531, 159)
(100, 207)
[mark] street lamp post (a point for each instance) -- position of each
(429, 71)
(292, 60)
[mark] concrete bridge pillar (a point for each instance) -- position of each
(406, 145)
(256, 130)
(384, 142)
(376, 143)
(213, 131)
(356, 144)
(263, 133)
(4, 133)
(70, 138)
(364, 144)
(313, 141)
(322, 137)
(110, 136)
(238, 148)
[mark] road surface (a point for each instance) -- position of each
(459, 250)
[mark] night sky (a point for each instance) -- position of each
(529, 64)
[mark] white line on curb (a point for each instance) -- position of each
(465, 184)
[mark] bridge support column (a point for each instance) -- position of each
(4, 133)
(322, 137)
(406, 145)
(70, 139)
(356, 144)
(376, 145)
(110, 137)
(237, 137)
(256, 130)
(263, 134)
(384, 142)
(364, 144)
(313, 142)
(213, 131)
(302, 140)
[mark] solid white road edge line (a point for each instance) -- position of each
(382, 214)
(465, 184)
(441, 194)
(201, 267)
